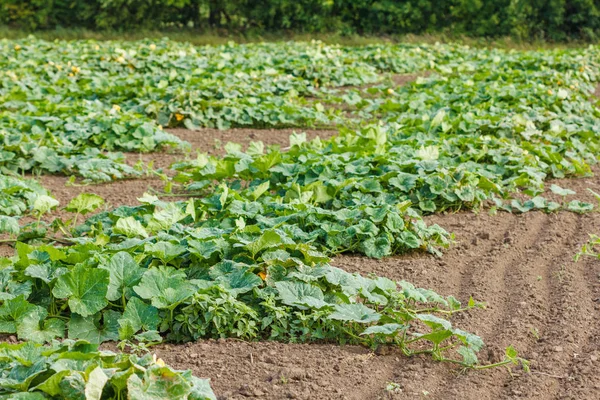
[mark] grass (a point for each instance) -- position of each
(216, 37)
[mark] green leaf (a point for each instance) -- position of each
(385, 329)
(468, 355)
(579, 206)
(98, 328)
(44, 203)
(354, 313)
(130, 227)
(95, 384)
(72, 387)
(377, 247)
(511, 353)
(267, 240)
(260, 190)
(13, 311)
(437, 336)
(138, 316)
(85, 203)
(165, 287)
(124, 274)
(239, 281)
(165, 251)
(85, 288)
(166, 218)
(428, 153)
(201, 389)
(51, 385)
(300, 293)
(560, 191)
(36, 328)
(9, 225)
(435, 323)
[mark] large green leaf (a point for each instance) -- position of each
(35, 327)
(301, 294)
(85, 288)
(354, 313)
(138, 316)
(165, 287)
(98, 328)
(130, 227)
(85, 203)
(125, 273)
(13, 311)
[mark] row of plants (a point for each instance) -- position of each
(247, 255)
(72, 369)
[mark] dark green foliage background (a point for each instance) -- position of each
(555, 20)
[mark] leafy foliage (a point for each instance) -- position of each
(77, 370)
(247, 255)
(223, 269)
(556, 20)
(470, 133)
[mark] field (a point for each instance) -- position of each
(265, 215)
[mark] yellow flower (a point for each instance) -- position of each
(160, 362)
(116, 107)
(179, 117)
(390, 91)
(550, 92)
(572, 87)
(96, 47)
(17, 47)
(71, 74)
(263, 275)
(120, 59)
(75, 69)
(152, 47)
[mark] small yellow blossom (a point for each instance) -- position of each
(75, 69)
(179, 117)
(120, 59)
(263, 275)
(158, 361)
(390, 91)
(152, 47)
(17, 47)
(116, 107)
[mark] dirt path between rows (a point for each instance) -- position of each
(538, 299)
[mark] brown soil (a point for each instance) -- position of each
(538, 299)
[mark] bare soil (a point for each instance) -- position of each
(538, 299)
